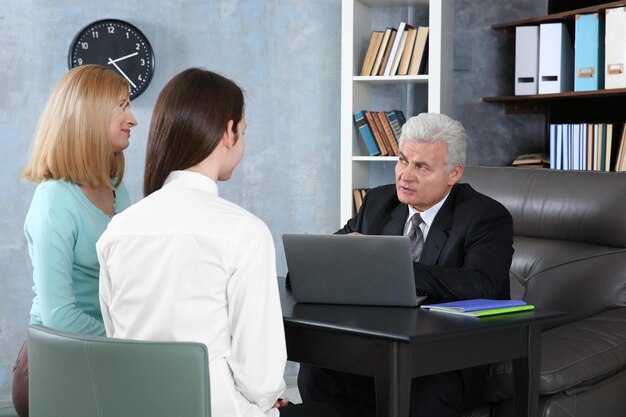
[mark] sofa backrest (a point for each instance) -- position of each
(569, 235)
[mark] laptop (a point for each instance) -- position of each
(351, 269)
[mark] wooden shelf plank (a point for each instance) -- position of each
(557, 96)
(391, 79)
(558, 16)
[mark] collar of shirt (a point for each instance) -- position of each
(428, 216)
(189, 179)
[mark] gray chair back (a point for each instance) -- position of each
(76, 376)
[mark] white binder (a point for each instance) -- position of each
(526, 59)
(556, 59)
(615, 48)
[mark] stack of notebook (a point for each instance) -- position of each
(480, 307)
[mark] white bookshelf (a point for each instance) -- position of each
(411, 94)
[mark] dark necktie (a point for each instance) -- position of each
(416, 237)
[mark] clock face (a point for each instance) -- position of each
(117, 45)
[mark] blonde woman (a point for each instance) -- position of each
(77, 161)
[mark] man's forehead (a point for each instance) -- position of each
(411, 145)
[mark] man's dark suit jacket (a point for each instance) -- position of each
(468, 249)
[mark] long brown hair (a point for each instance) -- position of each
(188, 121)
(72, 139)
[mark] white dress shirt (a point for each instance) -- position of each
(428, 216)
(184, 264)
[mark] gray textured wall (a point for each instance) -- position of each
(286, 55)
(484, 65)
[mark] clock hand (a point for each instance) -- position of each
(111, 62)
(124, 57)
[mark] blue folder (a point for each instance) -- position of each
(474, 305)
(589, 53)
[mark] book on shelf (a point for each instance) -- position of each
(620, 163)
(381, 50)
(380, 130)
(480, 307)
(377, 135)
(600, 147)
(590, 154)
(420, 52)
(401, 117)
(403, 68)
(398, 55)
(396, 120)
(366, 133)
(389, 46)
(396, 50)
(586, 146)
(358, 199)
(383, 134)
(358, 196)
(389, 136)
(372, 51)
(532, 160)
(608, 146)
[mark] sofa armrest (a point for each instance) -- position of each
(575, 354)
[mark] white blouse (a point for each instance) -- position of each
(184, 264)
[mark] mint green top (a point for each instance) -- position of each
(62, 227)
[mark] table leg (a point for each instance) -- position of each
(393, 379)
(526, 372)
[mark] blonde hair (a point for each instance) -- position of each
(72, 139)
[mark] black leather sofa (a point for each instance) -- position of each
(570, 255)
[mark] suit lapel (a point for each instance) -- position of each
(397, 219)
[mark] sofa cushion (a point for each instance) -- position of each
(564, 275)
(575, 355)
(606, 399)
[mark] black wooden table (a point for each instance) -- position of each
(395, 344)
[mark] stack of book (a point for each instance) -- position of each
(480, 307)
(588, 146)
(401, 51)
(380, 130)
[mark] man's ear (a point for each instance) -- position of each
(455, 174)
(229, 138)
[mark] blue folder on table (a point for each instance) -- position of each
(589, 53)
(474, 305)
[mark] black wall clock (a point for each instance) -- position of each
(118, 45)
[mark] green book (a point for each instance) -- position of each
(489, 312)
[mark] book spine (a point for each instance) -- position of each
(366, 133)
(395, 124)
(381, 130)
(371, 121)
(388, 132)
(400, 115)
(383, 64)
